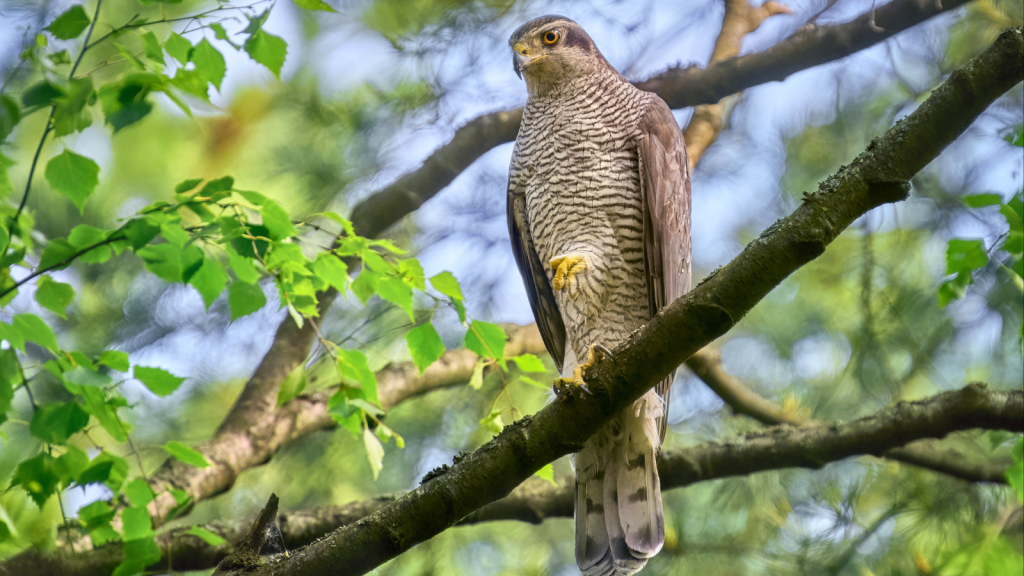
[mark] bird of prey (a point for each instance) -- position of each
(599, 218)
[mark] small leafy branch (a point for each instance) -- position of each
(208, 234)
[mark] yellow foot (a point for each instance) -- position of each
(566, 385)
(566, 267)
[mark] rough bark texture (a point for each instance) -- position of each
(878, 176)
(536, 500)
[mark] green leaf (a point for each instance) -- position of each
(486, 339)
(293, 385)
(69, 24)
(129, 57)
(142, 552)
(33, 329)
(74, 176)
(547, 472)
(529, 363)
(54, 296)
(115, 359)
(365, 284)
(71, 114)
(314, 5)
(1015, 475)
(57, 255)
(83, 376)
(107, 469)
(476, 381)
(38, 478)
(159, 381)
(209, 280)
(206, 536)
(268, 50)
(10, 115)
(186, 455)
(193, 82)
(41, 94)
(152, 49)
(163, 260)
(209, 63)
(96, 403)
(965, 256)
(55, 422)
(982, 200)
(12, 336)
(136, 523)
(175, 234)
(397, 292)
(446, 284)
(412, 272)
(95, 514)
(531, 382)
(425, 345)
(244, 299)
(139, 493)
(84, 236)
(1016, 137)
(70, 465)
(10, 375)
(178, 48)
(186, 185)
(492, 422)
(276, 220)
(5, 532)
(331, 270)
(243, 267)
(374, 452)
(353, 365)
(5, 179)
(366, 406)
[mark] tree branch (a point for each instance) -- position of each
(878, 176)
(740, 19)
(679, 87)
(536, 500)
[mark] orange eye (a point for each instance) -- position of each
(550, 37)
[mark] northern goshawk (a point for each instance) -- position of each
(599, 217)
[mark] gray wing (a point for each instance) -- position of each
(665, 186)
(535, 277)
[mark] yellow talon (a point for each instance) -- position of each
(578, 373)
(566, 267)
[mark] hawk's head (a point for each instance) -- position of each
(553, 49)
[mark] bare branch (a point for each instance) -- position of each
(536, 500)
(740, 19)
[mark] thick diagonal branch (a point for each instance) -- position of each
(878, 176)
(535, 500)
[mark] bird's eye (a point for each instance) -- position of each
(550, 37)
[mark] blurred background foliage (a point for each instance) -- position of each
(369, 90)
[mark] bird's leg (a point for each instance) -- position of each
(594, 353)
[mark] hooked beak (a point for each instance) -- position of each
(521, 58)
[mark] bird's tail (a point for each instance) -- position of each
(619, 519)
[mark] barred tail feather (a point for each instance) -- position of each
(592, 552)
(625, 563)
(639, 488)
